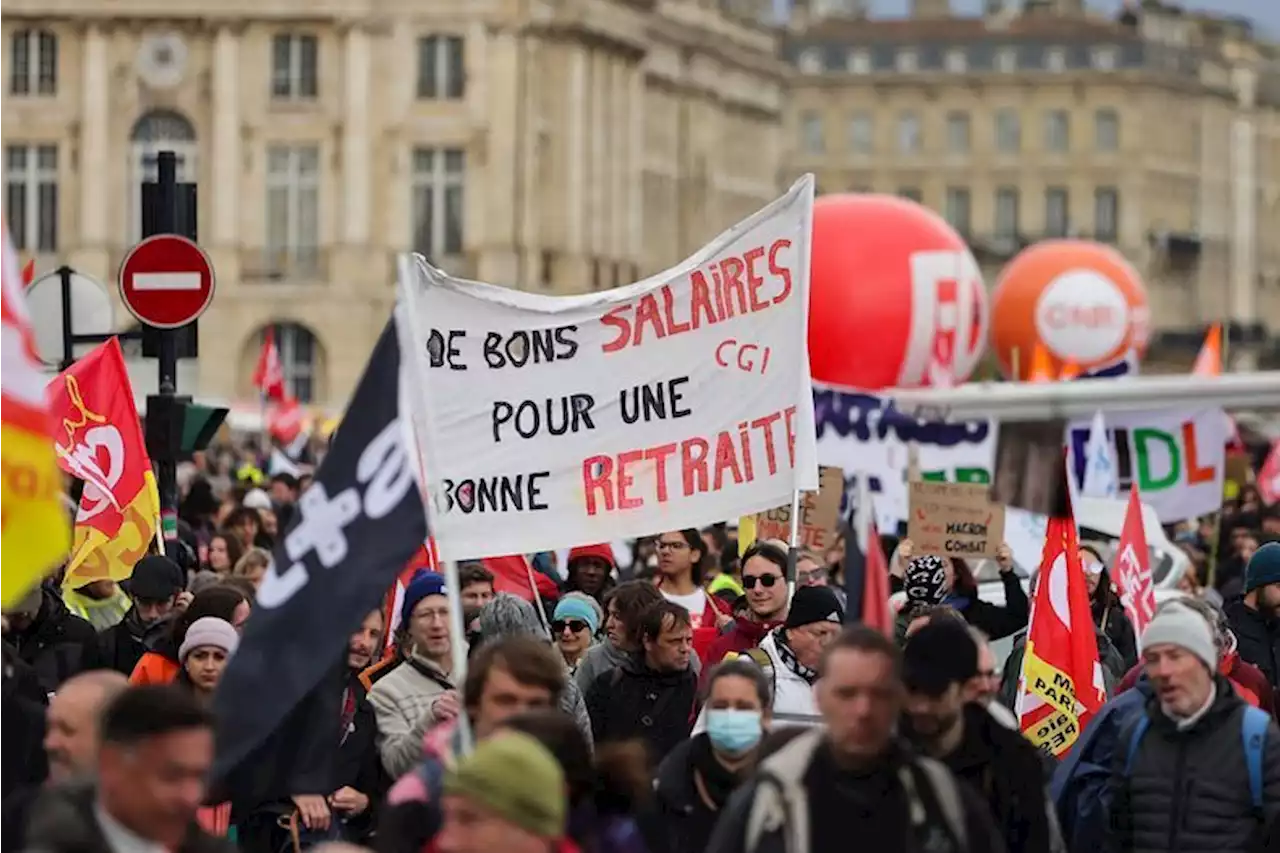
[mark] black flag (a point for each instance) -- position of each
(352, 532)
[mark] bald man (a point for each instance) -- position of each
(71, 731)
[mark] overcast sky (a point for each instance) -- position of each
(1265, 13)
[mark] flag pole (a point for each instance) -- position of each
(793, 544)
(1212, 573)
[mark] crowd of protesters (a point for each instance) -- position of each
(686, 698)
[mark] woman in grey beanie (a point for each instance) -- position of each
(510, 615)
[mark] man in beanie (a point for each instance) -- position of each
(790, 654)
(156, 588)
(1255, 617)
(1180, 778)
(509, 795)
(419, 692)
(938, 663)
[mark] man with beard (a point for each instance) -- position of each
(939, 663)
(155, 587)
(1254, 617)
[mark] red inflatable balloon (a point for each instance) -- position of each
(895, 297)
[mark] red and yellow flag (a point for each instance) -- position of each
(1061, 686)
(98, 438)
(33, 524)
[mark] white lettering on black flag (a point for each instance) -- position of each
(353, 531)
(674, 402)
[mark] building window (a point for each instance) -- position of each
(294, 66)
(299, 359)
(911, 194)
(957, 61)
(1056, 212)
(1106, 214)
(908, 133)
(1008, 131)
(811, 61)
(958, 133)
(861, 133)
(1007, 224)
(811, 133)
(1106, 130)
(293, 216)
(156, 131)
(1057, 131)
(441, 69)
(1103, 58)
(31, 196)
(859, 62)
(1007, 60)
(1055, 59)
(439, 178)
(957, 208)
(33, 57)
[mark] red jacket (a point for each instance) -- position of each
(1249, 682)
(744, 634)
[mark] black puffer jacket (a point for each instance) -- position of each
(57, 644)
(634, 701)
(121, 646)
(1189, 790)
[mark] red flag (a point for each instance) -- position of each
(1269, 476)
(513, 574)
(1061, 686)
(1133, 567)
(98, 438)
(875, 594)
(29, 273)
(284, 421)
(268, 375)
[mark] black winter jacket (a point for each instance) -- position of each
(1257, 638)
(121, 646)
(1188, 791)
(57, 644)
(1007, 772)
(681, 817)
(634, 701)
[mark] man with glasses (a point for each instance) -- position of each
(157, 588)
(764, 583)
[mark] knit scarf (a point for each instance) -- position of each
(789, 659)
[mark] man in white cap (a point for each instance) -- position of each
(1197, 752)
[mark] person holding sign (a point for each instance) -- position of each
(931, 579)
(682, 558)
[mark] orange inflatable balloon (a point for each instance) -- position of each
(895, 297)
(1081, 301)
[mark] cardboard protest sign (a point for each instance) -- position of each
(675, 402)
(819, 515)
(955, 520)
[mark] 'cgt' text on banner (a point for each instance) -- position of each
(674, 402)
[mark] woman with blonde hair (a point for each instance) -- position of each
(252, 566)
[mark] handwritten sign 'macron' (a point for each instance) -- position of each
(954, 519)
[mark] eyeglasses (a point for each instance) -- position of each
(766, 581)
(672, 546)
(574, 625)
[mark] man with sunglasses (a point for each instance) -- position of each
(764, 582)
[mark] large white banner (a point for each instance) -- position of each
(865, 434)
(678, 401)
(1177, 457)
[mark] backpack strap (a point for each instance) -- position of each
(944, 788)
(1253, 735)
(1139, 729)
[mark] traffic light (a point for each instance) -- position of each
(177, 427)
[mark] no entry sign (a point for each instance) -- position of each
(166, 281)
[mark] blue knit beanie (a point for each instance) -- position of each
(422, 585)
(1263, 568)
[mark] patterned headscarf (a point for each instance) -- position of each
(926, 580)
